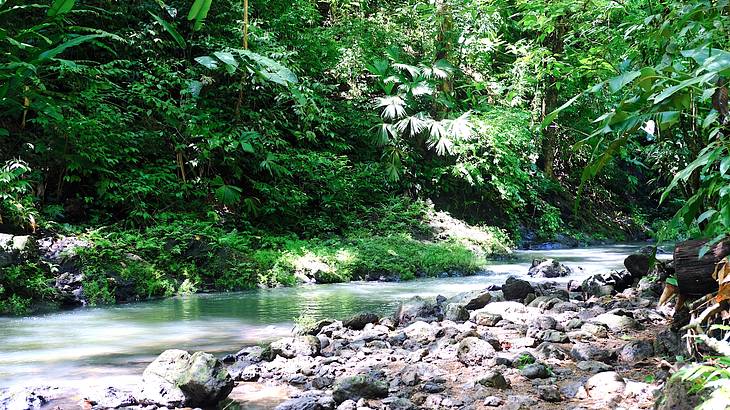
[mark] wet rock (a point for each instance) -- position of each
(494, 379)
(636, 351)
(472, 351)
(22, 399)
(549, 393)
(535, 371)
(473, 300)
(605, 386)
(291, 347)
(516, 289)
(486, 319)
(607, 283)
(300, 403)
(585, 351)
(593, 366)
(358, 387)
(413, 309)
(315, 328)
(548, 268)
(70, 289)
(358, 321)
(456, 312)
(177, 378)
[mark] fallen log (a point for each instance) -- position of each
(694, 274)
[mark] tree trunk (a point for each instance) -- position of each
(550, 145)
(694, 274)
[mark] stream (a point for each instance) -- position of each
(93, 345)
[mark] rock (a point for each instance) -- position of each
(636, 351)
(473, 300)
(492, 401)
(486, 319)
(669, 343)
(300, 403)
(112, 398)
(412, 309)
(456, 312)
(315, 328)
(548, 268)
(605, 386)
(535, 371)
(359, 387)
(16, 249)
(563, 307)
(675, 396)
(494, 379)
(70, 289)
(607, 283)
(585, 351)
(520, 403)
(593, 366)
(543, 322)
(358, 321)
(291, 347)
(420, 332)
(347, 405)
(22, 399)
(549, 393)
(544, 302)
(399, 403)
(597, 330)
(639, 263)
(516, 289)
(513, 311)
(553, 336)
(549, 350)
(472, 351)
(617, 323)
(177, 378)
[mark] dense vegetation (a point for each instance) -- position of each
(220, 145)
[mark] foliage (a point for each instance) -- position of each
(713, 377)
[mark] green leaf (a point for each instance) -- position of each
(669, 91)
(227, 58)
(60, 7)
(553, 115)
(270, 69)
(705, 156)
(48, 54)
(706, 215)
(170, 29)
(195, 9)
(228, 194)
(207, 61)
(4, 132)
(618, 82)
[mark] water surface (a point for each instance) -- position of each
(91, 345)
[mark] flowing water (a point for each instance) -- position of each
(92, 345)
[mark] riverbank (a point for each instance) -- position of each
(548, 347)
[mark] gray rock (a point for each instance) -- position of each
(22, 399)
(548, 268)
(359, 387)
(412, 309)
(420, 332)
(300, 403)
(520, 403)
(177, 378)
(456, 312)
(544, 322)
(597, 330)
(549, 350)
(472, 351)
(16, 249)
(494, 379)
(608, 283)
(586, 351)
(549, 392)
(399, 403)
(552, 336)
(358, 321)
(535, 371)
(516, 289)
(563, 307)
(486, 319)
(473, 300)
(593, 366)
(291, 347)
(636, 351)
(493, 401)
(347, 405)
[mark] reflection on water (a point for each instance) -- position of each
(119, 341)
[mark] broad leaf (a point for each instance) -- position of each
(170, 29)
(618, 82)
(60, 7)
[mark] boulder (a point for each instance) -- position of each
(494, 379)
(177, 378)
(585, 351)
(549, 393)
(358, 321)
(472, 351)
(593, 366)
(22, 399)
(413, 309)
(16, 249)
(608, 283)
(639, 263)
(617, 323)
(636, 351)
(535, 371)
(516, 289)
(473, 300)
(359, 387)
(456, 312)
(548, 268)
(291, 347)
(486, 319)
(420, 332)
(605, 386)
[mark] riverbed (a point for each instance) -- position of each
(93, 345)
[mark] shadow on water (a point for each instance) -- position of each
(119, 341)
